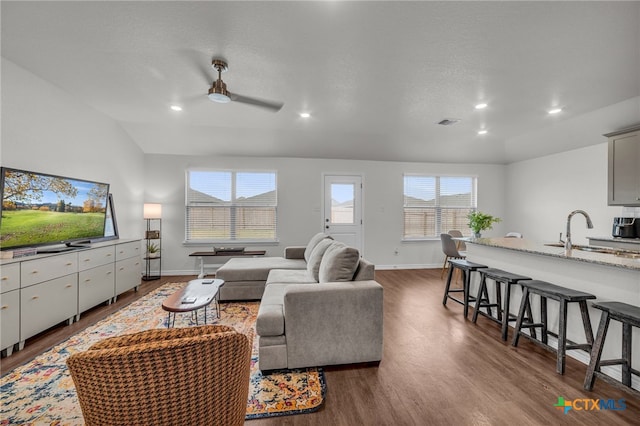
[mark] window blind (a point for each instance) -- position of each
(437, 204)
(231, 206)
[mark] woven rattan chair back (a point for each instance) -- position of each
(180, 376)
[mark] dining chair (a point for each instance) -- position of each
(513, 235)
(450, 250)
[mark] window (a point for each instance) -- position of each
(231, 206)
(437, 204)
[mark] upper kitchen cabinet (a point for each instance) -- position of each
(624, 167)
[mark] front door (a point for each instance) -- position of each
(343, 209)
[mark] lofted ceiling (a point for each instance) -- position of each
(376, 77)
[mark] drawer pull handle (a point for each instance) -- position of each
(34, 272)
(109, 273)
(68, 286)
(121, 269)
(5, 278)
(69, 263)
(108, 254)
(5, 307)
(137, 263)
(35, 297)
(87, 280)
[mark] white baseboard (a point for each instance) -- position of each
(408, 266)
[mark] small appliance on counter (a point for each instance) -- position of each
(626, 227)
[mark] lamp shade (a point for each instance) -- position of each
(152, 211)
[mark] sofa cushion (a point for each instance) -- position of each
(313, 242)
(255, 268)
(290, 276)
(313, 263)
(270, 321)
(339, 263)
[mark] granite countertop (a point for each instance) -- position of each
(621, 258)
(617, 240)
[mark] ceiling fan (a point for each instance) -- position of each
(219, 93)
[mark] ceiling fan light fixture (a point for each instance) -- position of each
(218, 93)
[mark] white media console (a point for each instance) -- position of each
(38, 292)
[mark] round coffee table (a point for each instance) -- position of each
(195, 295)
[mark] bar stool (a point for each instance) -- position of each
(564, 296)
(504, 316)
(629, 316)
(466, 268)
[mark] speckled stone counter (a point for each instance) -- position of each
(629, 259)
(607, 276)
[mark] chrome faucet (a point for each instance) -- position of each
(567, 243)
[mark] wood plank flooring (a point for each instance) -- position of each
(437, 369)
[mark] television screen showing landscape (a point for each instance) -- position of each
(39, 209)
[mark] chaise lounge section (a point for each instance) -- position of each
(245, 278)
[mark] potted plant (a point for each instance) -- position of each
(153, 250)
(479, 221)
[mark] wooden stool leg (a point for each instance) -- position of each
(498, 299)
(523, 306)
(626, 353)
(532, 331)
(485, 295)
(467, 284)
(476, 311)
(543, 319)
(446, 288)
(596, 351)
(505, 312)
(562, 337)
(586, 322)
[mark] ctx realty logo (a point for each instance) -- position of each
(586, 404)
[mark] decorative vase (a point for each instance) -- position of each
(477, 235)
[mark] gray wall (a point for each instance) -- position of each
(46, 130)
(300, 200)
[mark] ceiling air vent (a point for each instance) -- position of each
(449, 121)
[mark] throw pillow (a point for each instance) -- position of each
(313, 265)
(313, 242)
(339, 263)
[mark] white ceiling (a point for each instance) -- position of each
(376, 76)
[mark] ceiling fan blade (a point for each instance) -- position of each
(273, 106)
(198, 60)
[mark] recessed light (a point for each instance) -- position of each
(305, 115)
(555, 110)
(481, 106)
(176, 108)
(482, 132)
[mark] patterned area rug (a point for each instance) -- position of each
(41, 392)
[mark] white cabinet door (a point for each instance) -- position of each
(95, 286)
(9, 320)
(46, 304)
(127, 274)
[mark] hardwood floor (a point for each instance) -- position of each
(437, 369)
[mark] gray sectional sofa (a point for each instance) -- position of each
(322, 308)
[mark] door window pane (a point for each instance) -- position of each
(342, 196)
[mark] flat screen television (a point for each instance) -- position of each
(39, 209)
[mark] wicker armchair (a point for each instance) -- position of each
(189, 376)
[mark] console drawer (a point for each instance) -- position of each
(127, 250)
(40, 270)
(9, 277)
(95, 257)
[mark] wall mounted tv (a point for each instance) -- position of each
(39, 209)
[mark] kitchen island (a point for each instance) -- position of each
(608, 276)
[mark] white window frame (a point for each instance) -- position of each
(437, 207)
(232, 205)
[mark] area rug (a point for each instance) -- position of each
(41, 392)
